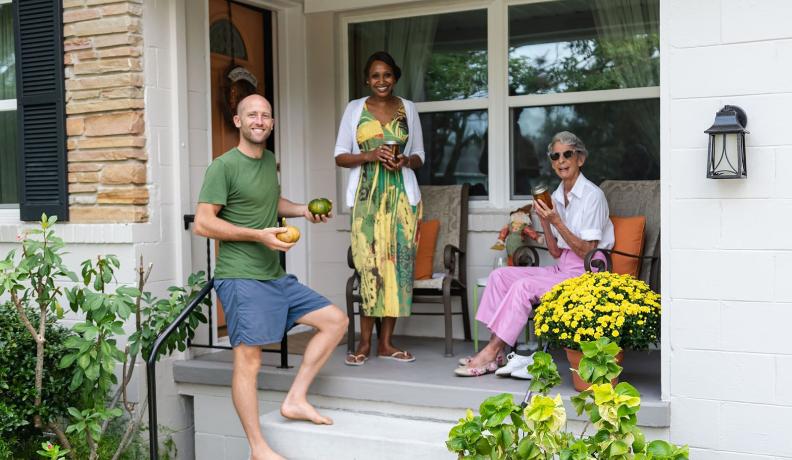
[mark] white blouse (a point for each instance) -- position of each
(347, 143)
(586, 215)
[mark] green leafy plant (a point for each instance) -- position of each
(30, 283)
(544, 373)
(487, 435)
(545, 417)
(598, 364)
(92, 352)
(17, 377)
(504, 431)
(51, 451)
(5, 449)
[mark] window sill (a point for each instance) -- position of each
(83, 233)
(9, 215)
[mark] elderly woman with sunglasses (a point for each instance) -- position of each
(577, 223)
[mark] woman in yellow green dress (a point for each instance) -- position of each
(385, 200)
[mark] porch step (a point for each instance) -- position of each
(358, 436)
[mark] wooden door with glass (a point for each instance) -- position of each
(241, 63)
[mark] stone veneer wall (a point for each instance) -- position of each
(107, 157)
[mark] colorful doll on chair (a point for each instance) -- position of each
(517, 232)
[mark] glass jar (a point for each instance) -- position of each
(541, 193)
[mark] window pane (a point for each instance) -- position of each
(225, 39)
(442, 56)
(583, 45)
(623, 140)
(456, 150)
(7, 67)
(8, 158)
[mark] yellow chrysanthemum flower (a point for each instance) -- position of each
(598, 304)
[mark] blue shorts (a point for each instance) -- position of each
(260, 312)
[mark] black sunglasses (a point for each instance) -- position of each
(555, 155)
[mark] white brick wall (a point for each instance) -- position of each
(727, 256)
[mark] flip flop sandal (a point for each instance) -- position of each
(465, 371)
(399, 356)
(356, 360)
(500, 359)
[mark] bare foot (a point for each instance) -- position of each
(389, 350)
(360, 356)
(363, 349)
(303, 410)
(483, 357)
(265, 454)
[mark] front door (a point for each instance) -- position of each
(240, 42)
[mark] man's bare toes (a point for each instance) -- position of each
(304, 411)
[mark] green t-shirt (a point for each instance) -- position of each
(249, 191)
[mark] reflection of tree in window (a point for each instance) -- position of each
(457, 75)
(623, 138)
(221, 35)
(457, 142)
(575, 45)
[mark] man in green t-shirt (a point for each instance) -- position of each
(238, 205)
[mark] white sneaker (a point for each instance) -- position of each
(522, 373)
(516, 362)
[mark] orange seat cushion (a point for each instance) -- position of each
(629, 234)
(427, 240)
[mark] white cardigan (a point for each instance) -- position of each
(347, 143)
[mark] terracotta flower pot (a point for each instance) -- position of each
(574, 357)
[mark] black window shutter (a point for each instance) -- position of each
(41, 114)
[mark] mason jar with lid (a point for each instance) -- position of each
(394, 149)
(542, 193)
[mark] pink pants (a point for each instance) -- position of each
(511, 291)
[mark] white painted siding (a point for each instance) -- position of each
(726, 250)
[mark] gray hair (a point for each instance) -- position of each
(567, 138)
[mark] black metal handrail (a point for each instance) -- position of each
(151, 366)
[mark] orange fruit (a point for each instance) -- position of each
(291, 235)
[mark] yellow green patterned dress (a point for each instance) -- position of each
(383, 224)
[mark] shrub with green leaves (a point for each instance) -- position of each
(17, 374)
(505, 431)
(89, 356)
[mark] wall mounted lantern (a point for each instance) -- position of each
(726, 149)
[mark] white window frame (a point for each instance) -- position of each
(8, 212)
(498, 102)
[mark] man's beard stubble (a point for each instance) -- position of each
(248, 137)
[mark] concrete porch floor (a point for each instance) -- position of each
(429, 381)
